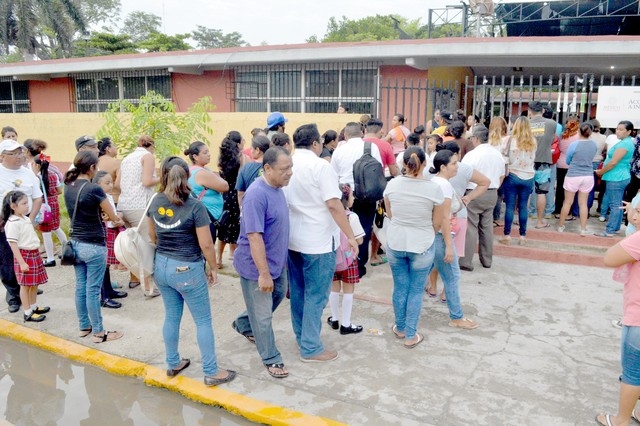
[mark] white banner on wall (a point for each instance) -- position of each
(617, 103)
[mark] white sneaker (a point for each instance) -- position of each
(584, 233)
(617, 323)
(561, 228)
(602, 219)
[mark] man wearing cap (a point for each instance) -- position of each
(275, 124)
(446, 118)
(15, 177)
(488, 161)
(87, 143)
(544, 130)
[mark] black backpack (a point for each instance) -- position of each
(368, 177)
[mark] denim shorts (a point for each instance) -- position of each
(542, 177)
(630, 355)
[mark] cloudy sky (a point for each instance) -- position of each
(274, 21)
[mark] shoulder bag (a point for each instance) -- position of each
(223, 216)
(68, 253)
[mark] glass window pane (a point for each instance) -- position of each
(87, 108)
(251, 85)
(85, 89)
(133, 87)
(293, 106)
(322, 83)
(322, 106)
(5, 109)
(359, 83)
(251, 106)
(285, 84)
(161, 84)
(23, 107)
(5, 90)
(21, 90)
(360, 107)
(108, 88)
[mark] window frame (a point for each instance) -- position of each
(14, 102)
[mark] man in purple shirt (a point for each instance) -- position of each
(261, 256)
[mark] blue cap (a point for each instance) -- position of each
(275, 118)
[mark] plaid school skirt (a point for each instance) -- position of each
(36, 274)
(112, 233)
(351, 275)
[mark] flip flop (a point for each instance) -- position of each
(497, 224)
(383, 260)
(607, 418)
(635, 417)
(546, 225)
(603, 234)
(107, 336)
(279, 366)
(413, 345)
(85, 332)
(396, 332)
(466, 324)
(172, 372)
(248, 336)
(431, 294)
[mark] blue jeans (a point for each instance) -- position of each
(630, 355)
(91, 261)
(450, 274)
(613, 195)
(516, 191)
(176, 288)
(409, 271)
(259, 314)
(550, 205)
(592, 194)
(310, 277)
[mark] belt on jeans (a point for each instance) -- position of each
(492, 189)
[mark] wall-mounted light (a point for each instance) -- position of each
(612, 66)
(517, 69)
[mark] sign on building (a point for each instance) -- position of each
(617, 103)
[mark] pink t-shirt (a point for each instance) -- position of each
(631, 292)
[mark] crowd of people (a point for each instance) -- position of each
(290, 209)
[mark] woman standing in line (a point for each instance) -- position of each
(570, 134)
(179, 225)
(414, 206)
(498, 131)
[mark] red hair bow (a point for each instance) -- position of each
(43, 157)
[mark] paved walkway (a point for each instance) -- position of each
(545, 352)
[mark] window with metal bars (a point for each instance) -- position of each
(94, 92)
(307, 87)
(14, 96)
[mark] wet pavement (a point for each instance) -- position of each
(545, 352)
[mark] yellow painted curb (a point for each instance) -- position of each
(241, 405)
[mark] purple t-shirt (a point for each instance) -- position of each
(264, 210)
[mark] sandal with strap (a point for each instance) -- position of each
(464, 323)
(278, 375)
(85, 332)
(107, 336)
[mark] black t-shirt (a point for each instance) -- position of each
(176, 227)
(88, 226)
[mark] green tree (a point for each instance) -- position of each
(99, 11)
(156, 116)
(141, 25)
(100, 44)
(210, 38)
(42, 28)
(446, 30)
(159, 42)
(373, 28)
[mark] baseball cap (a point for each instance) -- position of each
(9, 145)
(536, 106)
(275, 118)
(446, 116)
(480, 132)
(85, 140)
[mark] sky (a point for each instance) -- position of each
(274, 21)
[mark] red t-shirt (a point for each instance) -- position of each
(386, 151)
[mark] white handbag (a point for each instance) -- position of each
(134, 251)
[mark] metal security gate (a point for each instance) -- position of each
(416, 99)
(508, 96)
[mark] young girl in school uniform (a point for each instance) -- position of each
(24, 243)
(53, 187)
(105, 181)
(346, 279)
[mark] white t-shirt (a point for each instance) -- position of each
(412, 202)
(348, 153)
(20, 230)
(21, 179)
(356, 227)
(312, 229)
(488, 161)
(448, 192)
(459, 183)
(611, 140)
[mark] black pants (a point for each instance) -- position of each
(6, 272)
(366, 211)
(107, 291)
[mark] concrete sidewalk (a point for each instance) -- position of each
(545, 352)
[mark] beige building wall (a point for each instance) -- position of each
(60, 130)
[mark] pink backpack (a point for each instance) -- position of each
(345, 255)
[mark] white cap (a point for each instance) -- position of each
(9, 145)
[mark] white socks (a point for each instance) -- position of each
(347, 306)
(48, 242)
(334, 303)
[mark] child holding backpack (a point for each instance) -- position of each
(345, 279)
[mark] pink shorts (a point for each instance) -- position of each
(578, 183)
(459, 239)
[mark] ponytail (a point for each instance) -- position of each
(413, 159)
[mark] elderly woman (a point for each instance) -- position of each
(414, 206)
(136, 182)
(183, 243)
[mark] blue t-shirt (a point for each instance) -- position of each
(211, 199)
(264, 210)
(248, 173)
(580, 157)
(622, 170)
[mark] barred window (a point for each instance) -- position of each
(14, 96)
(95, 91)
(307, 87)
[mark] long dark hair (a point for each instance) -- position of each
(174, 180)
(442, 158)
(43, 162)
(413, 158)
(193, 150)
(13, 197)
(229, 158)
(82, 165)
(103, 145)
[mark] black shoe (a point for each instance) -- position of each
(108, 303)
(33, 317)
(50, 263)
(43, 310)
(333, 323)
(466, 268)
(118, 294)
(352, 329)
(39, 292)
(14, 308)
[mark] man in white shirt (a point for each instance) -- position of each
(316, 216)
(342, 162)
(488, 161)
